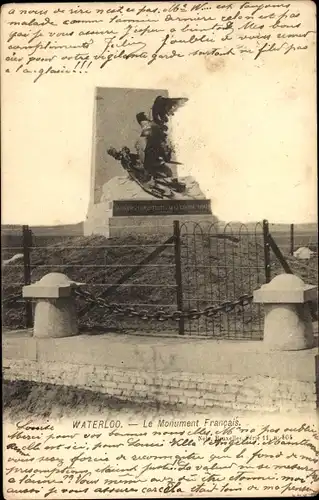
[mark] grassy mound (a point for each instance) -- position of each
(214, 270)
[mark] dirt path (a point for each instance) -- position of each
(22, 398)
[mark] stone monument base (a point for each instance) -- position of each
(97, 221)
(125, 208)
(103, 222)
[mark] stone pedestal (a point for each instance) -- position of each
(287, 324)
(126, 209)
(55, 312)
(97, 220)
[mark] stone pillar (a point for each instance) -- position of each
(55, 311)
(114, 124)
(287, 324)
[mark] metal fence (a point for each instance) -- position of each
(199, 281)
(16, 272)
(138, 272)
(287, 242)
(302, 239)
(222, 267)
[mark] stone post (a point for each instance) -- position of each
(287, 324)
(55, 311)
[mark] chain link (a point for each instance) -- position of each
(160, 314)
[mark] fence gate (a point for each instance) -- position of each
(220, 269)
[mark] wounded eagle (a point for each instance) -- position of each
(154, 149)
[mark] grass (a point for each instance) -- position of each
(22, 399)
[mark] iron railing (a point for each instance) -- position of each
(219, 266)
(199, 281)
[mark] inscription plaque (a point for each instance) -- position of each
(161, 207)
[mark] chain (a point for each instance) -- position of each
(160, 314)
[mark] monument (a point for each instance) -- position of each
(135, 187)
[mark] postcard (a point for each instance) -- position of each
(159, 250)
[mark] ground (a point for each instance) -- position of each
(23, 399)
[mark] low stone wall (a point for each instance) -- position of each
(242, 376)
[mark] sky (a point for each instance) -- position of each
(247, 135)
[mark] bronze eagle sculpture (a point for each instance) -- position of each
(154, 149)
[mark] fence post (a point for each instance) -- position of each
(178, 274)
(266, 250)
(27, 244)
(274, 247)
(292, 239)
